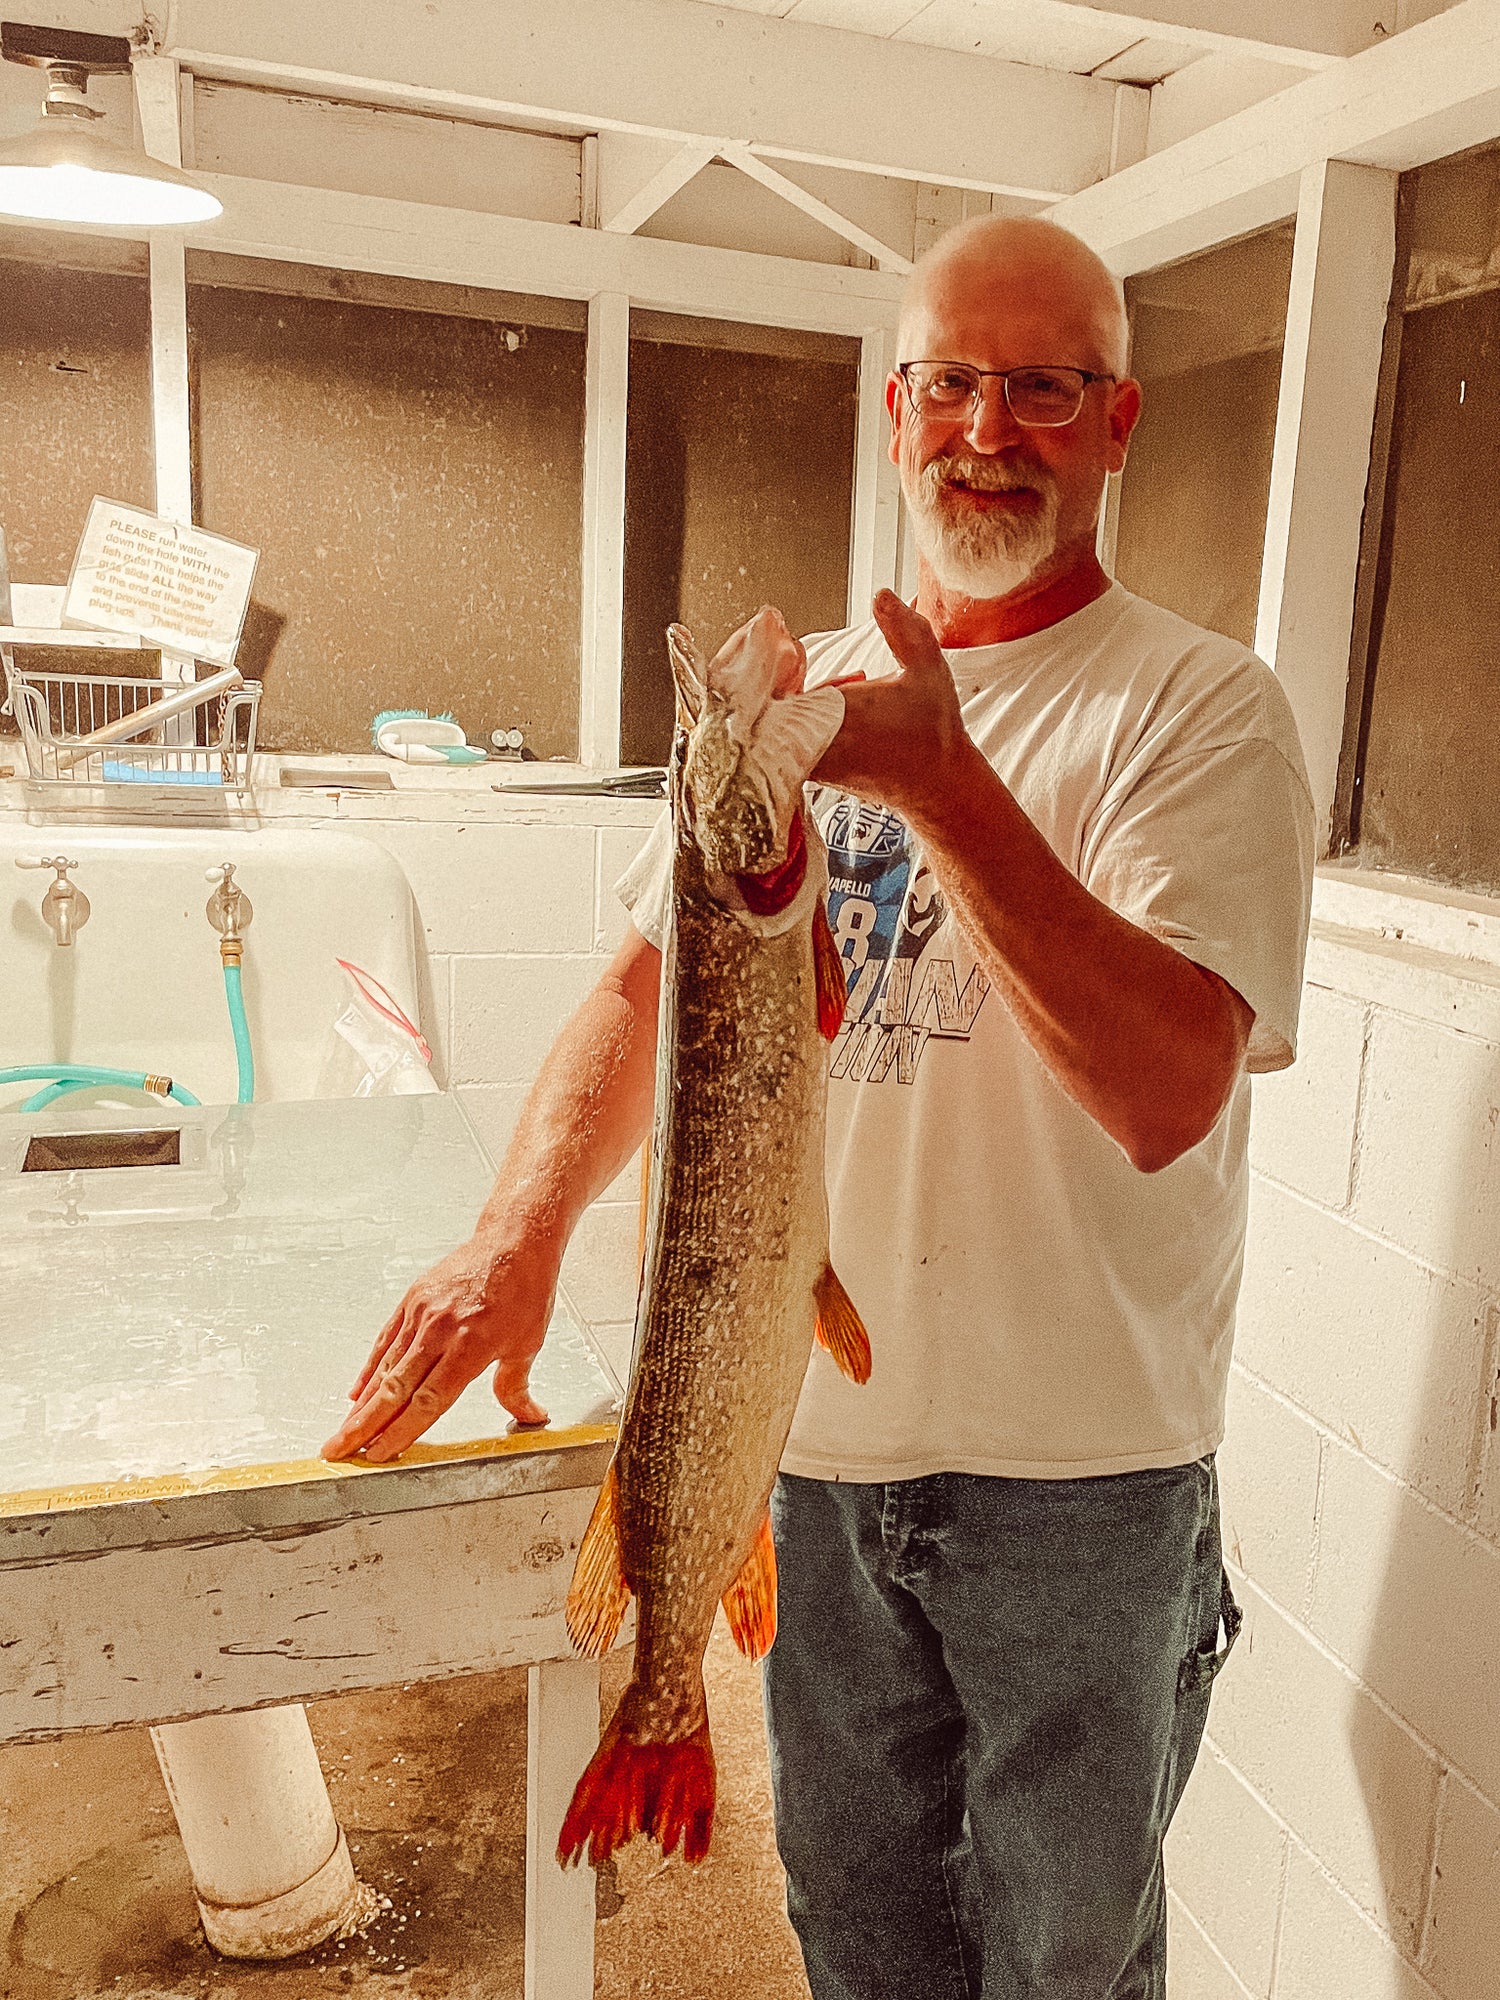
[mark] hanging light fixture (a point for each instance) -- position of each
(66, 171)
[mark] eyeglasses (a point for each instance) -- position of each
(1038, 398)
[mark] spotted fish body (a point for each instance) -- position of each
(737, 1277)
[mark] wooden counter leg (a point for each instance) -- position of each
(562, 1733)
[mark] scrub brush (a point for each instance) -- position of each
(416, 737)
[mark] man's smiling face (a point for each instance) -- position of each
(994, 503)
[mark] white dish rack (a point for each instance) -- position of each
(190, 755)
(164, 768)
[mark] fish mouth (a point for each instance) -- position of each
(749, 736)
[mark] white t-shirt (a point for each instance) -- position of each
(1038, 1307)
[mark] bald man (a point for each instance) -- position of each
(1070, 845)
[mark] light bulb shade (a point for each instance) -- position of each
(67, 173)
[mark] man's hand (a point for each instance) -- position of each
(901, 735)
(488, 1301)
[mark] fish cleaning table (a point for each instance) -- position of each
(177, 1339)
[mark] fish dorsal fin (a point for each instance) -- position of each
(840, 1328)
(599, 1592)
(689, 675)
(750, 1601)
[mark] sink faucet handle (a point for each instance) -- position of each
(65, 908)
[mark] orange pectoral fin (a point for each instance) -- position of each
(840, 1328)
(828, 971)
(599, 1592)
(750, 1601)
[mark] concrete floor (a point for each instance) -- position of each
(428, 1782)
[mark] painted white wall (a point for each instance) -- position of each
(1340, 1839)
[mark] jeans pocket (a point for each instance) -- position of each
(1202, 1666)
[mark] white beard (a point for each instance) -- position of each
(976, 554)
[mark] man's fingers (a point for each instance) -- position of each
(420, 1407)
(393, 1362)
(377, 1353)
(908, 633)
(389, 1391)
(386, 1399)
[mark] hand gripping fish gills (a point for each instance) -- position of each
(737, 1280)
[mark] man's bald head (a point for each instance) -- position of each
(1018, 264)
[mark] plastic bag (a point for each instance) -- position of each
(376, 1050)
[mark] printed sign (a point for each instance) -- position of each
(180, 588)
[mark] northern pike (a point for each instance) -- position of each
(736, 1282)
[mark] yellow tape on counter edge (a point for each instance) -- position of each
(240, 1478)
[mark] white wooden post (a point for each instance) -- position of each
(562, 1733)
(1341, 281)
(874, 557)
(607, 385)
(158, 107)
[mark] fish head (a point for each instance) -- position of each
(748, 740)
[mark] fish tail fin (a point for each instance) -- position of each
(829, 976)
(599, 1592)
(840, 1328)
(750, 1601)
(664, 1790)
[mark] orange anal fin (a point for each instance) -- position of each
(750, 1601)
(664, 1790)
(840, 1328)
(829, 976)
(599, 1592)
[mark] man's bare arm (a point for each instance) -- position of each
(1148, 1043)
(489, 1301)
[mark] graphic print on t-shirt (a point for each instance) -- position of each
(884, 913)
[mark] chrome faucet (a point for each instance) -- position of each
(65, 908)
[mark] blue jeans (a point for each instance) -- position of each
(984, 1701)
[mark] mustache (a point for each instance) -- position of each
(984, 475)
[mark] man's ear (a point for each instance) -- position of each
(895, 404)
(1124, 415)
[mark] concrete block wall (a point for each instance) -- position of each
(1340, 1838)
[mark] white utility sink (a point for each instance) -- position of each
(142, 988)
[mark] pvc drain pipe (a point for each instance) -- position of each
(270, 1866)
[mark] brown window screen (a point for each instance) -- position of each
(739, 487)
(75, 405)
(408, 459)
(1420, 787)
(1206, 347)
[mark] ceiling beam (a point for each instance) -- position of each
(406, 239)
(1428, 92)
(1281, 31)
(673, 69)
